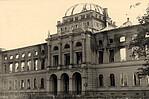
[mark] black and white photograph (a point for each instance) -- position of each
(74, 49)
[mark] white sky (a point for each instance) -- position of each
(26, 22)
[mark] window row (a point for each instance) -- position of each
(78, 44)
(22, 55)
(22, 84)
(20, 66)
(123, 80)
(67, 59)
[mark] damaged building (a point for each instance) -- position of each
(88, 56)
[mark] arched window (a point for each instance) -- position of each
(16, 67)
(100, 80)
(67, 46)
(42, 83)
(10, 67)
(112, 80)
(78, 44)
(28, 84)
(22, 84)
(55, 48)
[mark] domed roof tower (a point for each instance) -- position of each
(84, 16)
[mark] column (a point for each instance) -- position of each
(58, 86)
(49, 54)
(60, 53)
(70, 85)
(71, 51)
(83, 49)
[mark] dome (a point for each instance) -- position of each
(82, 8)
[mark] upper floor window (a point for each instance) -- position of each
(28, 84)
(100, 80)
(35, 64)
(110, 40)
(17, 56)
(36, 53)
(147, 34)
(22, 66)
(55, 60)
(55, 48)
(5, 58)
(123, 54)
(67, 46)
(35, 84)
(78, 44)
(134, 37)
(42, 83)
(88, 23)
(11, 57)
(10, 67)
(100, 57)
(42, 63)
(5, 68)
(16, 67)
(79, 57)
(29, 54)
(15, 84)
(76, 18)
(29, 64)
(10, 85)
(67, 59)
(122, 39)
(111, 56)
(136, 79)
(112, 80)
(23, 55)
(100, 42)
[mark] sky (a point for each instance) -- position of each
(26, 22)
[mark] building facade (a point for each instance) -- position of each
(89, 56)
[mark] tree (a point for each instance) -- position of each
(140, 44)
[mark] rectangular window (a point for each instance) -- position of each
(29, 64)
(22, 66)
(100, 58)
(67, 59)
(136, 79)
(111, 56)
(42, 63)
(123, 54)
(35, 64)
(55, 60)
(124, 79)
(10, 68)
(79, 57)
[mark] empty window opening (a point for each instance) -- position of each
(42, 63)
(10, 86)
(100, 58)
(55, 60)
(5, 68)
(16, 67)
(78, 44)
(29, 64)
(22, 84)
(79, 57)
(67, 59)
(35, 84)
(23, 55)
(67, 46)
(22, 66)
(123, 54)
(111, 56)
(35, 64)
(122, 39)
(100, 42)
(10, 67)
(29, 54)
(55, 48)
(100, 80)
(17, 56)
(112, 80)
(11, 57)
(136, 79)
(110, 40)
(124, 79)
(42, 83)
(28, 84)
